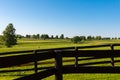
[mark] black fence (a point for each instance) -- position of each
(78, 53)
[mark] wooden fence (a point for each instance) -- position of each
(78, 53)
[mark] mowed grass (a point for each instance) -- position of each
(32, 44)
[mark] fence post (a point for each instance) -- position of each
(76, 57)
(58, 65)
(35, 61)
(112, 55)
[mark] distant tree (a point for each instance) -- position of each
(67, 38)
(113, 38)
(34, 36)
(38, 36)
(19, 36)
(27, 36)
(93, 38)
(106, 38)
(98, 37)
(56, 37)
(76, 39)
(118, 37)
(83, 38)
(44, 36)
(52, 37)
(62, 36)
(89, 38)
(9, 35)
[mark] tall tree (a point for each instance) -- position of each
(38, 36)
(9, 36)
(52, 37)
(62, 36)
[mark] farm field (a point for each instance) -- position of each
(31, 44)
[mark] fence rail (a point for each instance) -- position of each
(78, 53)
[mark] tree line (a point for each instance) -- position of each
(77, 39)
(80, 38)
(42, 36)
(10, 38)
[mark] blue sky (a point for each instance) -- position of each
(68, 17)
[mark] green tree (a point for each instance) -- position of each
(98, 37)
(62, 36)
(9, 36)
(27, 36)
(89, 37)
(52, 37)
(34, 36)
(56, 37)
(44, 36)
(19, 36)
(76, 39)
(38, 36)
(83, 38)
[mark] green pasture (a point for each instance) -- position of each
(31, 44)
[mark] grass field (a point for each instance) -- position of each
(31, 44)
